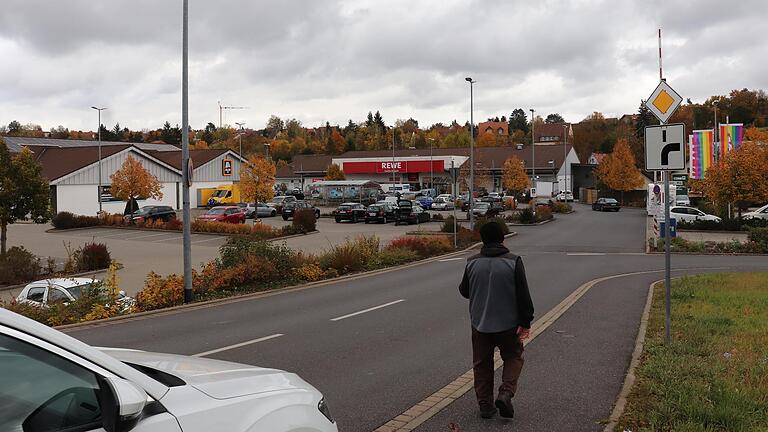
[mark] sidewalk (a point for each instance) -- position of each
(573, 371)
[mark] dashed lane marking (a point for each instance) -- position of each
(367, 310)
(238, 345)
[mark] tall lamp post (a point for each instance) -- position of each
(717, 147)
(565, 160)
(431, 166)
(533, 158)
(185, 161)
(471, 151)
(99, 110)
(240, 136)
(266, 149)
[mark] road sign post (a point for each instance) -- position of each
(665, 151)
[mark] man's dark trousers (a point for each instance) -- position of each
(511, 349)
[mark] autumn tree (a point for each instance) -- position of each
(740, 178)
(618, 170)
(133, 181)
(488, 139)
(24, 192)
(335, 173)
(257, 179)
(554, 118)
(514, 177)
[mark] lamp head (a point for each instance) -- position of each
(468, 79)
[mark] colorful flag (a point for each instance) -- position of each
(731, 136)
(701, 152)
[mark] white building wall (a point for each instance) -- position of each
(564, 177)
(83, 199)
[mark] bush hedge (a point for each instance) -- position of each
(304, 220)
(679, 244)
(67, 220)
(733, 224)
(18, 266)
(93, 256)
(499, 220)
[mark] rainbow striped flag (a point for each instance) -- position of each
(701, 143)
(731, 136)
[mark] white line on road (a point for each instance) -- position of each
(150, 235)
(450, 259)
(208, 239)
(116, 234)
(241, 344)
(175, 237)
(367, 310)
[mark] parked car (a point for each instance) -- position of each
(761, 213)
(487, 209)
(249, 209)
(410, 213)
(380, 212)
(229, 214)
(682, 200)
(263, 210)
(424, 201)
(606, 204)
(64, 290)
(280, 201)
(296, 193)
(493, 197)
(446, 196)
(151, 213)
(52, 381)
(291, 208)
(564, 196)
(443, 203)
(690, 214)
(352, 212)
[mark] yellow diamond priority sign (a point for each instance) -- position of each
(663, 102)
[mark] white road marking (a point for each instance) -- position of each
(367, 310)
(150, 235)
(238, 345)
(208, 239)
(175, 237)
(116, 234)
(450, 259)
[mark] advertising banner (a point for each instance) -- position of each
(701, 154)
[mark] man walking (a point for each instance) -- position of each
(501, 312)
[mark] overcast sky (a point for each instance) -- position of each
(319, 60)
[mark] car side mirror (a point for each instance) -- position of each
(122, 403)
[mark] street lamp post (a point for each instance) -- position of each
(715, 128)
(471, 151)
(266, 150)
(431, 166)
(240, 136)
(533, 157)
(99, 110)
(185, 161)
(565, 160)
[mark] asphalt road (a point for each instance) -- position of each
(374, 365)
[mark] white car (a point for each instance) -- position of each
(682, 200)
(63, 290)
(449, 197)
(442, 203)
(761, 213)
(51, 381)
(690, 214)
(565, 196)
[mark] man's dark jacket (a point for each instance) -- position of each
(494, 282)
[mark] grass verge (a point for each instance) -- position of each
(714, 374)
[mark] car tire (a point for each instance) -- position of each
(273, 213)
(338, 220)
(285, 218)
(354, 219)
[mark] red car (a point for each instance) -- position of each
(229, 214)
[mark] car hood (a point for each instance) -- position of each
(206, 216)
(218, 379)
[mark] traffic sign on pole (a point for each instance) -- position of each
(663, 101)
(665, 147)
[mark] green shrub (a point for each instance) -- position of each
(448, 225)
(18, 266)
(501, 221)
(351, 256)
(393, 256)
(438, 217)
(237, 249)
(733, 224)
(759, 236)
(561, 207)
(527, 216)
(304, 220)
(63, 220)
(93, 256)
(425, 246)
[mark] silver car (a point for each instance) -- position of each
(263, 210)
(53, 382)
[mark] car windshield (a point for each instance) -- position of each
(373, 207)
(482, 205)
(610, 201)
(142, 211)
(217, 211)
(221, 193)
(344, 207)
(278, 200)
(77, 291)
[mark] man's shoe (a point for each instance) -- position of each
(504, 404)
(487, 410)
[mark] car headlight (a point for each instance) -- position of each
(322, 406)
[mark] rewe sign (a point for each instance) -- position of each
(391, 166)
(384, 167)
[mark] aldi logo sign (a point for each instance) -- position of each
(226, 167)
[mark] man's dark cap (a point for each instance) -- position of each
(492, 233)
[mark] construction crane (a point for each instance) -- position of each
(222, 108)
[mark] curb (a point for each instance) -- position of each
(74, 275)
(707, 254)
(533, 224)
(127, 228)
(260, 294)
(629, 381)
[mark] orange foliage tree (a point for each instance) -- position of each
(132, 180)
(514, 177)
(740, 178)
(335, 173)
(487, 139)
(618, 170)
(257, 179)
